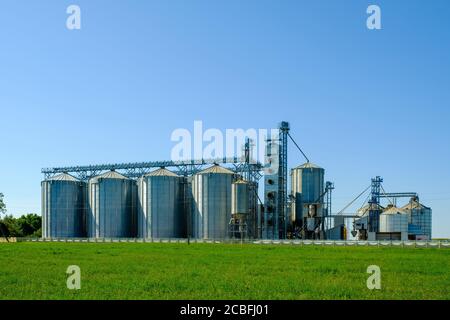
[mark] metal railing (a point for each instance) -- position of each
(334, 243)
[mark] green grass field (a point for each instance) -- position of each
(216, 271)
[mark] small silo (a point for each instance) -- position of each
(161, 213)
(307, 187)
(111, 206)
(240, 197)
(393, 224)
(419, 218)
(241, 222)
(63, 207)
(211, 203)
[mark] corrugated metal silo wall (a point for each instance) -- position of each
(141, 215)
(111, 206)
(240, 198)
(134, 208)
(307, 185)
(427, 222)
(244, 201)
(161, 212)
(393, 223)
(211, 207)
(422, 218)
(63, 209)
(187, 205)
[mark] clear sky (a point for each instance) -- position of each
(360, 102)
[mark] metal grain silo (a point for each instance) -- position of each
(111, 207)
(307, 185)
(240, 197)
(211, 203)
(63, 207)
(393, 220)
(419, 218)
(161, 212)
(241, 223)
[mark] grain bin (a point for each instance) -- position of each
(393, 220)
(111, 206)
(211, 203)
(240, 197)
(63, 207)
(161, 213)
(307, 185)
(419, 217)
(241, 223)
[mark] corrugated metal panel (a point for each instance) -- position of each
(63, 207)
(414, 204)
(308, 165)
(414, 229)
(307, 185)
(161, 172)
(393, 223)
(216, 169)
(240, 197)
(211, 207)
(111, 206)
(161, 212)
(109, 175)
(63, 177)
(420, 216)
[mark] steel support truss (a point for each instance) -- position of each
(243, 166)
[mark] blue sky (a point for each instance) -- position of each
(361, 103)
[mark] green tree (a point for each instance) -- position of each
(29, 224)
(2, 204)
(37, 233)
(3, 229)
(25, 226)
(10, 227)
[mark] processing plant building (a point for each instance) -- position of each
(218, 199)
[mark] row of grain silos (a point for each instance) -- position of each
(410, 222)
(160, 204)
(102, 207)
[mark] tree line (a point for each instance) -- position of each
(29, 225)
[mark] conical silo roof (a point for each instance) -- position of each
(162, 172)
(216, 169)
(308, 165)
(391, 209)
(414, 204)
(63, 177)
(109, 175)
(365, 209)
